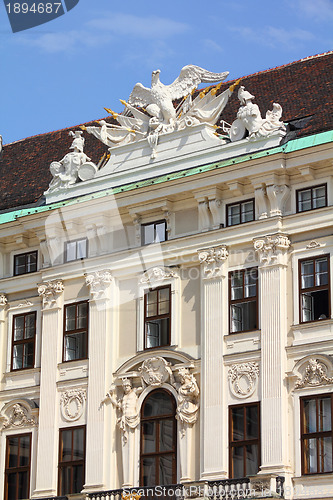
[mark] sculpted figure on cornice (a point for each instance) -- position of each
(249, 119)
(67, 171)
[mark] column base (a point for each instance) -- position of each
(44, 493)
(92, 488)
(214, 475)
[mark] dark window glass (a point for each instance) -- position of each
(314, 289)
(316, 434)
(72, 446)
(157, 317)
(76, 331)
(75, 250)
(311, 198)
(25, 263)
(17, 469)
(158, 440)
(154, 233)
(238, 213)
(243, 295)
(244, 440)
(23, 341)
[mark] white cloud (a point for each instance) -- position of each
(211, 45)
(275, 37)
(317, 10)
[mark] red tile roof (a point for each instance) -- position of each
(303, 88)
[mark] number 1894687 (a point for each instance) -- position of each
(34, 8)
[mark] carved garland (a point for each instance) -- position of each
(18, 417)
(157, 274)
(315, 374)
(243, 379)
(72, 404)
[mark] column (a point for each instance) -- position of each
(214, 301)
(47, 465)
(100, 283)
(273, 254)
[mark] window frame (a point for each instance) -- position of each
(77, 330)
(314, 288)
(162, 316)
(25, 254)
(154, 223)
(157, 418)
(71, 463)
(311, 188)
(243, 443)
(23, 341)
(244, 299)
(19, 469)
(314, 435)
(76, 257)
(240, 203)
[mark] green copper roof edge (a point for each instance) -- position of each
(289, 147)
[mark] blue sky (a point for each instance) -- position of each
(64, 72)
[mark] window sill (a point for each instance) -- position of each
(312, 324)
(22, 372)
(243, 341)
(314, 331)
(69, 370)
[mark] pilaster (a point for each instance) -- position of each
(3, 336)
(100, 284)
(214, 295)
(273, 255)
(51, 293)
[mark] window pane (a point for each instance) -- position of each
(28, 355)
(70, 318)
(250, 285)
(65, 480)
(70, 251)
(148, 437)
(321, 270)
(319, 197)
(315, 305)
(18, 327)
(307, 274)
(148, 471)
(237, 419)
(31, 262)
(20, 267)
(310, 456)
(324, 415)
(24, 458)
(234, 215)
(165, 469)
(23, 481)
(304, 200)
(163, 301)
(160, 231)
(159, 403)
(151, 301)
(13, 451)
(157, 332)
(238, 462)
(236, 286)
(75, 346)
(307, 307)
(252, 461)
(11, 485)
(66, 441)
(247, 211)
(18, 357)
(325, 454)
(30, 321)
(166, 435)
(244, 316)
(252, 420)
(148, 234)
(81, 249)
(77, 478)
(310, 419)
(82, 315)
(78, 444)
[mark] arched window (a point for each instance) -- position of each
(158, 448)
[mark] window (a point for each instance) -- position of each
(238, 213)
(243, 298)
(157, 317)
(311, 198)
(244, 440)
(23, 341)
(25, 263)
(314, 289)
(75, 250)
(76, 331)
(153, 233)
(72, 450)
(158, 440)
(316, 434)
(17, 469)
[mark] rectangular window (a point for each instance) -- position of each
(311, 198)
(17, 469)
(316, 434)
(314, 289)
(25, 263)
(238, 213)
(75, 250)
(72, 451)
(243, 300)
(157, 317)
(23, 341)
(155, 232)
(244, 440)
(76, 331)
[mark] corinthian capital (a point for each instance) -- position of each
(50, 291)
(3, 300)
(98, 282)
(212, 260)
(272, 249)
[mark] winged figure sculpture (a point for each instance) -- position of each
(158, 100)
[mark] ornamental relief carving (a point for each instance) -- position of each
(212, 260)
(157, 274)
(98, 283)
(72, 404)
(18, 415)
(315, 374)
(50, 292)
(272, 248)
(155, 371)
(243, 379)
(3, 300)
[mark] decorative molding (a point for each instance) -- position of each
(261, 199)
(243, 379)
(277, 195)
(72, 404)
(272, 248)
(50, 291)
(155, 371)
(137, 228)
(3, 300)
(18, 414)
(98, 283)
(157, 274)
(314, 244)
(187, 399)
(212, 260)
(315, 374)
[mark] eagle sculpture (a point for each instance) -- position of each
(158, 99)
